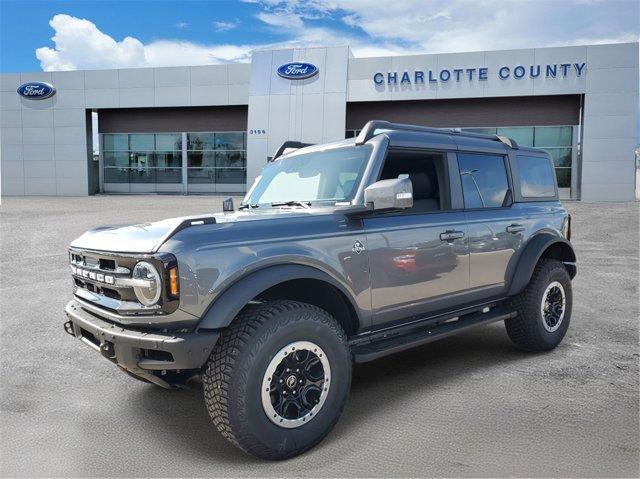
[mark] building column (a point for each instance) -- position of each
(311, 110)
(185, 162)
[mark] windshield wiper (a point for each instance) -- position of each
(248, 205)
(304, 204)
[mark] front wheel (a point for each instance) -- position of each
(544, 308)
(278, 378)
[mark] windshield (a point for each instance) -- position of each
(330, 175)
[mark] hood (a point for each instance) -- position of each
(140, 238)
(148, 237)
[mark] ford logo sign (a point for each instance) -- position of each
(297, 70)
(36, 90)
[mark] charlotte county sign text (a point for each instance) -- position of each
(444, 75)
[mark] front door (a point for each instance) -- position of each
(419, 258)
(418, 262)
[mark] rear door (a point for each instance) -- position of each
(419, 258)
(495, 227)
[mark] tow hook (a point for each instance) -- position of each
(68, 328)
(107, 350)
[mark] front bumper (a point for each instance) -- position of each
(148, 355)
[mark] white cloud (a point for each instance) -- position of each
(282, 19)
(182, 25)
(370, 27)
(170, 52)
(225, 26)
(79, 44)
(461, 25)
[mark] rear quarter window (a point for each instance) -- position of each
(535, 176)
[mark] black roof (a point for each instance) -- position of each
(375, 127)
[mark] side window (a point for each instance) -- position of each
(536, 177)
(484, 180)
(428, 175)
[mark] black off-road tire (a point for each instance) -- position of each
(234, 374)
(527, 330)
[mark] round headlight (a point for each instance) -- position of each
(150, 293)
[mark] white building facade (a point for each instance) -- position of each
(208, 129)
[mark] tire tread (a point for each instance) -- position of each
(523, 330)
(235, 341)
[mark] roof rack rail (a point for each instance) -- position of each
(292, 145)
(374, 127)
(510, 142)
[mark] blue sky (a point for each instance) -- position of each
(98, 34)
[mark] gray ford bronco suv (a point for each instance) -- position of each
(339, 253)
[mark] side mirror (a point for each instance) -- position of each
(227, 205)
(394, 194)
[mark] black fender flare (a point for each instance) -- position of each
(230, 302)
(533, 251)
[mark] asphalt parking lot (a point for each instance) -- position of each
(470, 405)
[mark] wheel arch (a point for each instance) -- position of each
(542, 245)
(292, 281)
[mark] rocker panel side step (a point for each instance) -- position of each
(377, 349)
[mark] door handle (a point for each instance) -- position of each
(515, 228)
(451, 235)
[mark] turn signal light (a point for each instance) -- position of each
(174, 282)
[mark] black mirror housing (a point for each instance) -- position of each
(227, 205)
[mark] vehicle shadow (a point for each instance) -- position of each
(395, 380)
(387, 383)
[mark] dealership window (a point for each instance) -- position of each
(218, 158)
(351, 133)
(142, 157)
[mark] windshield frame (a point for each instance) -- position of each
(342, 145)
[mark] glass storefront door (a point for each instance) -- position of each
(161, 162)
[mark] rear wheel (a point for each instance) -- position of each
(544, 308)
(278, 378)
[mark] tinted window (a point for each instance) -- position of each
(536, 176)
(169, 141)
(523, 136)
(426, 172)
(553, 136)
(115, 142)
(484, 180)
(141, 142)
(229, 141)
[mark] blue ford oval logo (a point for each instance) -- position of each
(297, 70)
(36, 90)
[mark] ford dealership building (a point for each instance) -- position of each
(207, 129)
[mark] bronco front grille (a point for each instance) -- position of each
(95, 278)
(105, 280)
